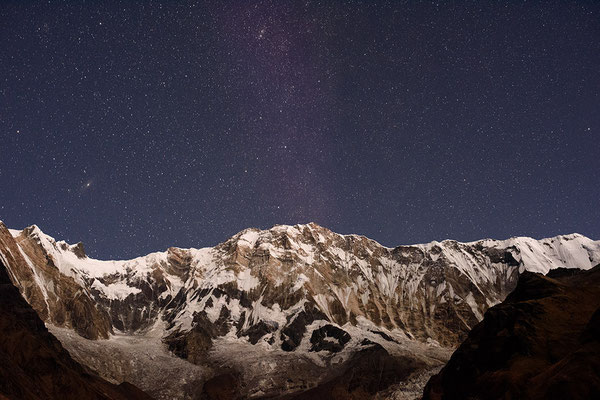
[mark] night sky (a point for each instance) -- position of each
(135, 126)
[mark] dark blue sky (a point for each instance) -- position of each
(137, 126)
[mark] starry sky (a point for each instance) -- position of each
(135, 126)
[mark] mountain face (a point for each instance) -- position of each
(272, 312)
(542, 342)
(34, 365)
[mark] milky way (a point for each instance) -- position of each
(138, 126)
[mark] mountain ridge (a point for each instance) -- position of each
(35, 227)
(285, 294)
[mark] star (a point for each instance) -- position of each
(384, 111)
(261, 33)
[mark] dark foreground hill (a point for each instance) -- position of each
(33, 363)
(542, 342)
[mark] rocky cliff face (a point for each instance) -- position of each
(58, 297)
(300, 296)
(542, 342)
(34, 365)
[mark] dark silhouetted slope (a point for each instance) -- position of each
(542, 342)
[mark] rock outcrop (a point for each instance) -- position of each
(56, 296)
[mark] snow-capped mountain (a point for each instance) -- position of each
(298, 297)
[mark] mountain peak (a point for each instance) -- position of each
(32, 230)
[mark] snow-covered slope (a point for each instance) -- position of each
(297, 290)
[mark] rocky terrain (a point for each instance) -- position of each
(288, 311)
(34, 365)
(542, 342)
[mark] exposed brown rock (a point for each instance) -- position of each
(79, 250)
(57, 298)
(178, 262)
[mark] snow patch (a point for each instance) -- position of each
(115, 291)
